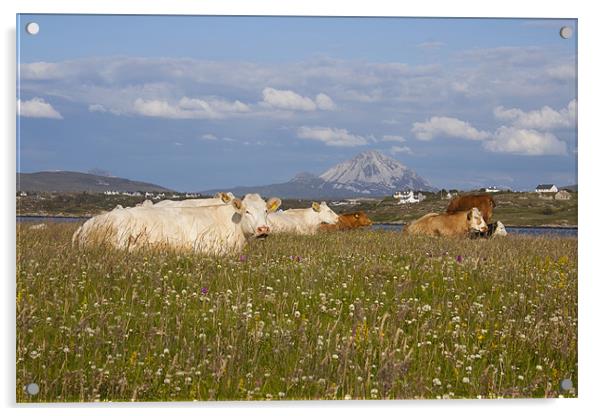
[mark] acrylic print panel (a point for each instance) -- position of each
(232, 208)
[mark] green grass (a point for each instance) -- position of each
(362, 314)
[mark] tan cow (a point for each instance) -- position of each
(458, 224)
(484, 203)
(348, 221)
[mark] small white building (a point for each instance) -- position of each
(111, 192)
(546, 188)
(492, 189)
(562, 195)
(408, 197)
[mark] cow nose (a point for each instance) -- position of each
(264, 229)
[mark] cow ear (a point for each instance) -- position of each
(225, 197)
(357, 216)
(315, 206)
(273, 204)
(238, 205)
(469, 215)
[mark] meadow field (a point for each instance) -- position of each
(347, 315)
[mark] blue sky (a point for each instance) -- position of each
(194, 103)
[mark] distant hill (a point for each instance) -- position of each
(65, 181)
(370, 174)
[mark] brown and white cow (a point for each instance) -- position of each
(457, 224)
(484, 203)
(348, 221)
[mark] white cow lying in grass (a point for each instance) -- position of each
(217, 229)
(218, 199)
(302, 221)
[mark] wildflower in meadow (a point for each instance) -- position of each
(459, 259)
(242, 258)
(204, 290)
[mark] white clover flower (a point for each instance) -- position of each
(335, 357)
(167, 381)
(426, 308)
(539, 368)
(347, 397)
(465, 380)
(436, 382)
(297, 314)
(374, 393)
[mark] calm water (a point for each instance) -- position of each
(559, 232)
(50, 219)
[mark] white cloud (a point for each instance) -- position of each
(562, 72)
(287, 100)
(324, 102)
(331, 136)
(545, 118)
(208, 136)
(390, 138)
(447, 127)
(189, 108)
(401, 149)
(524, 142)
(99, 108)
(290, 100)
(37, 108)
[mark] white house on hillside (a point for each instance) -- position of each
(408, 197)
(545, 188)
(492, 189)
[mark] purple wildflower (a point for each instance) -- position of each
(242, 258)
(459, 259)
(204, 290)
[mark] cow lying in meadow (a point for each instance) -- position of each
(216, 229)
(484, 203)
(348, 221)
(458, 224)
(303, 220)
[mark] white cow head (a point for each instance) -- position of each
(253, 212)
(325, 214)
(476, 221)
(500, 230)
